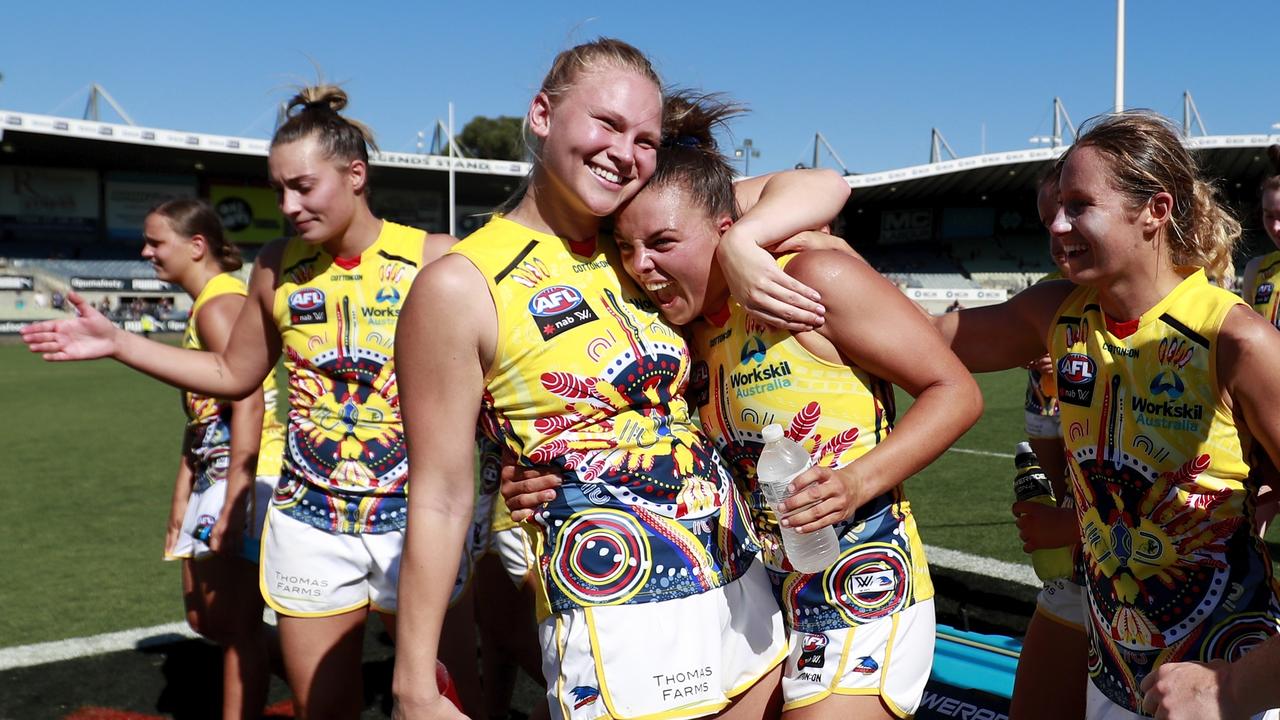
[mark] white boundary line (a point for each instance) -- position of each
(985, 453)
(21, 656)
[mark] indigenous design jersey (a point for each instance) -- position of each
(345, 461)
(1262, 296)
(1174, 569)
(588, 379)
(749, 376)
(209, 419)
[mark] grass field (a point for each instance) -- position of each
(91, 449)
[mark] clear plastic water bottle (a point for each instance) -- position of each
(780, 462)
(1031, 484)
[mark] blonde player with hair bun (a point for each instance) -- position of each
(328, 300)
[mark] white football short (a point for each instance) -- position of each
(205, 507)
(309, 572)
(676, 659)
(1042, 427)
(1062, 601)
(890, 657)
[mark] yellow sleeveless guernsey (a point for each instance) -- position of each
(749, 375)
(345, 461)
(588, 379)
(209, 419)
(1262, 295)
(1174, 570)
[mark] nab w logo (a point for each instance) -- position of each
(874, 582)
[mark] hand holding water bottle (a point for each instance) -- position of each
(778, 471)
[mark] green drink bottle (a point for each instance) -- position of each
(1031, 484)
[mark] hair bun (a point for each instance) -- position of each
(690, 119)
(320, 98)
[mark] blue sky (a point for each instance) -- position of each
(873, 77)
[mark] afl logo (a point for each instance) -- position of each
(306, 307)
(306, 299)
(1077, 368)
(555, 300)
(813, 643)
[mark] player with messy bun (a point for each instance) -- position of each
(855, 651)
(1166, 384)
(327, 300)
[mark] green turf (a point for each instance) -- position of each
(91, 452)
(962, 501)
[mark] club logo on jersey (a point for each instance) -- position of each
(1263, 295)
(866, 665)
(388, 295)
(306, 307)
(813, 651)
(559, 308)
(1077, 374)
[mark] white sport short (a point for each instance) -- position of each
(890, 657)
(1099, 707)
(515, 551)
(676, 659)
(1063, 601)
(308, 572)
(1042, 427)
(205, 507)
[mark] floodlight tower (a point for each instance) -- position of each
(1119, 55)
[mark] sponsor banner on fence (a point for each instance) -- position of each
(12, 327)
(17, 282)
(123, 284)
(989, 294)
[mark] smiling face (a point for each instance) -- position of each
(316, 193)
(600, 138)
(169, 253)
(1095, 234)
(668, 246)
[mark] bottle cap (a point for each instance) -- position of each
(772, 433)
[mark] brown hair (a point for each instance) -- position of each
(1146, 156)
(689, 155)
(315, 112)
(189, 217)
(1272, 181)
(566, 69)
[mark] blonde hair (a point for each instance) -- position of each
(316, 112)
(566, 69)
(1146, 156)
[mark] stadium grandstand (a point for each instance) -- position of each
(73, 194)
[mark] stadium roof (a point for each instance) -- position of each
(1235, 158)
(44, 139)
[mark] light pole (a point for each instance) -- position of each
(746, 152)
